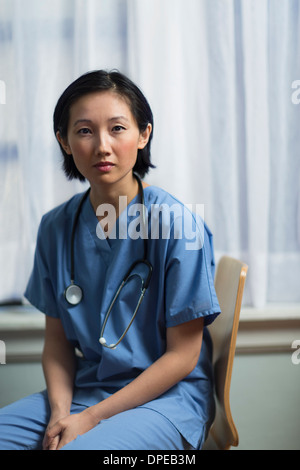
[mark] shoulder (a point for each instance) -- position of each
(161, 204)
(186, 221)
(157, 195)
(60, 217)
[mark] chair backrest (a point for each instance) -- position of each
(229, 284)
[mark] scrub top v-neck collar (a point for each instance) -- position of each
(104, 244)
(88, 216)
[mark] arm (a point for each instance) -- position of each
(59, 367)
(181, 356)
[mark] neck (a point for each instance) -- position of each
(110, 193)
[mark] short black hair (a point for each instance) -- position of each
(101, 80)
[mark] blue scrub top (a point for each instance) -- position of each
(181, 289)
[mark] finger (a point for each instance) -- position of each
(51, 443)
(65, 437)
(54, 431)
(54, 443)
(50, 435)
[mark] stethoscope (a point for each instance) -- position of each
(74, 293)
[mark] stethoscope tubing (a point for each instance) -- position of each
(102, 339)
(74, 293)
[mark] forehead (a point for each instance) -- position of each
(100, 104)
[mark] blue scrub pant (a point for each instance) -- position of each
(23, 424)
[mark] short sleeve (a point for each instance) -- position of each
(39, 290)
(189, 281)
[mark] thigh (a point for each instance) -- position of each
(23, 423)
(137, 429)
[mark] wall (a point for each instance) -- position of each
(265, 401)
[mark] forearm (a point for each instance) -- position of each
(58, 370)
(181, 356)
(151, 383)
(58, 362)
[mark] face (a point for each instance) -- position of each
(103, 138)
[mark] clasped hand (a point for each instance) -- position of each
(64, 430)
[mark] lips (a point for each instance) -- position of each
(104, 166)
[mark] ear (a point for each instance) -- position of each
(144, 137)
(63, 143)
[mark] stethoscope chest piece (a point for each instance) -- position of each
(73, 294)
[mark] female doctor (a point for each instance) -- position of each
(148, 386)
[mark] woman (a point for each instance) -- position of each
(150, 388)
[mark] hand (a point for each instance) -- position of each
(55, 417)
(67, 429)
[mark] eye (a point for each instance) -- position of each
(118, 128)
(84, 131)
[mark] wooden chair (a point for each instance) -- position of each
(229, 283)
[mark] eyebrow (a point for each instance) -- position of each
(81, 120)
(115, 118)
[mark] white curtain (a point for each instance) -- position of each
(44, 45)
(219, 75)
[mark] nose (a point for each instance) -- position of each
(102, 144)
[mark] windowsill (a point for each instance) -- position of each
(21, 318)
(269, 329)
(265, 330)
(27, 317)
(22, 330)
(280, 312)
